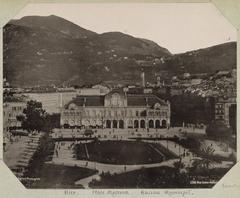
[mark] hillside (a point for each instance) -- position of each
(51, 50)
(54, 23)
(219, 57)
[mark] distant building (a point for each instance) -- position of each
(158, 81)
(89, 92)
(65, 89)
(175, 91)
(223, 107)
(147, 90)
(52, 102)
(196, 81)
(117, 109)
(186, 75)
(103, 89)
(11, 110)
(222, 73)
(43, 89)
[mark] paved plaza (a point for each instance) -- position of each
(64, 154)
(126, 133)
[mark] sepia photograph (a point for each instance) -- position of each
(119, 96)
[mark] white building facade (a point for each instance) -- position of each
(117, 109)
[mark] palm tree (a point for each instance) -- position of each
(181, 176)
(202, 166)
(178, 165)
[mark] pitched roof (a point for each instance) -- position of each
(132, 100)
(143, 100)
(88, 101)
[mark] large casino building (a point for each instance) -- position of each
(117, 109)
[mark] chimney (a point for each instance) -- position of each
(146, 101)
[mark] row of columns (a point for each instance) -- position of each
(121, 124)
(136, 124)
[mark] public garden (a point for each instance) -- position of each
(53, 157)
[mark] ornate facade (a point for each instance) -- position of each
(117, 109)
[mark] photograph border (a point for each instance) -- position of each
(228, 186)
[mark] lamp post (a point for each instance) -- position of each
(179, 149)
(102, 123)
(167, 142)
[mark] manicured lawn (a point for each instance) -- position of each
(121, 152)
(58, 176)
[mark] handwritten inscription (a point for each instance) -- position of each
(124, 193)
(70, 192)
(231, 185)
(110, 192)
(170, 193)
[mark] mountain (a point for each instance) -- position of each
(207, 60)
(55, 23)
(51, 50)
(120, 42)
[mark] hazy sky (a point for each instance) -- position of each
(177, 27)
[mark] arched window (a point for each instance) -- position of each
(115, 124)
(164, 123)
(157, 124)
(108, 124)
(151, 124)
(121, 124)
(130, 124)
(136, 124)
(142, 124)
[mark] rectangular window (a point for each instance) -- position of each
(137, 113)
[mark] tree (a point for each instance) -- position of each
(207, 151)
(34, 117)
(178, 165)
(218, 129)
(52, 121)
(202, 166)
